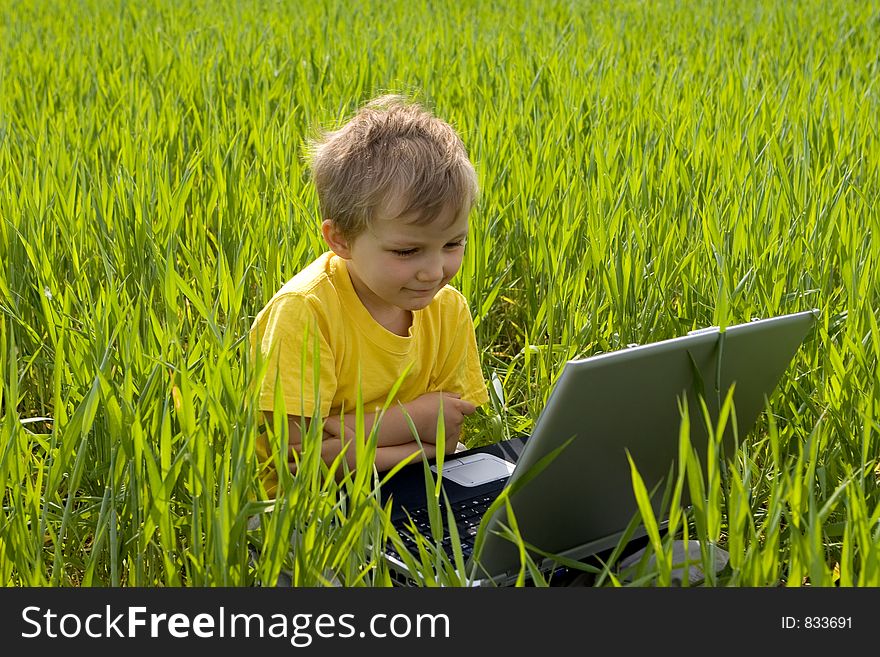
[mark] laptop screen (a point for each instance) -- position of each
(630, 401)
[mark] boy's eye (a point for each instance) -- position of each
(408, 252)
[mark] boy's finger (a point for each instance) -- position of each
(333, 426)
(466, 407)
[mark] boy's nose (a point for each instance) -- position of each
(431, 271)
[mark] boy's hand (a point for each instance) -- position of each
(454, 411)
(333, 428)
(424, 412)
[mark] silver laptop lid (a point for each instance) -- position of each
(629, 400)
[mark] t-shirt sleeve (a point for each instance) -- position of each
(289, 339)
(460, 370)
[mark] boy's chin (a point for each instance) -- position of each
(418, 303)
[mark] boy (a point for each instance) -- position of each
(395, 188)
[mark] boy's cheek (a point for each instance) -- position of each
(455, 266)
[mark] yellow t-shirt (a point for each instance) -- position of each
(321, 303)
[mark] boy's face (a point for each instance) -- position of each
(396, 265)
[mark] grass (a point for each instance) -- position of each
(646, 168)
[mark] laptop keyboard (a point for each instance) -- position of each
(468, 514)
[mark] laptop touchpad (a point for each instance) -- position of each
(475, 469)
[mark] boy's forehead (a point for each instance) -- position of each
(392, 206)
(404, 208)
(446, 224)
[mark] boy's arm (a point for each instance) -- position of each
(386, 457)
(331, 445)
(295, 424)
(394, 429)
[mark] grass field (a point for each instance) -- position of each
(646, 168)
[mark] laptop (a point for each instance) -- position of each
(600, 408)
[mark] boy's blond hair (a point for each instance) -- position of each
(391, 148)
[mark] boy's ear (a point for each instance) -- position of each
(335, 240)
